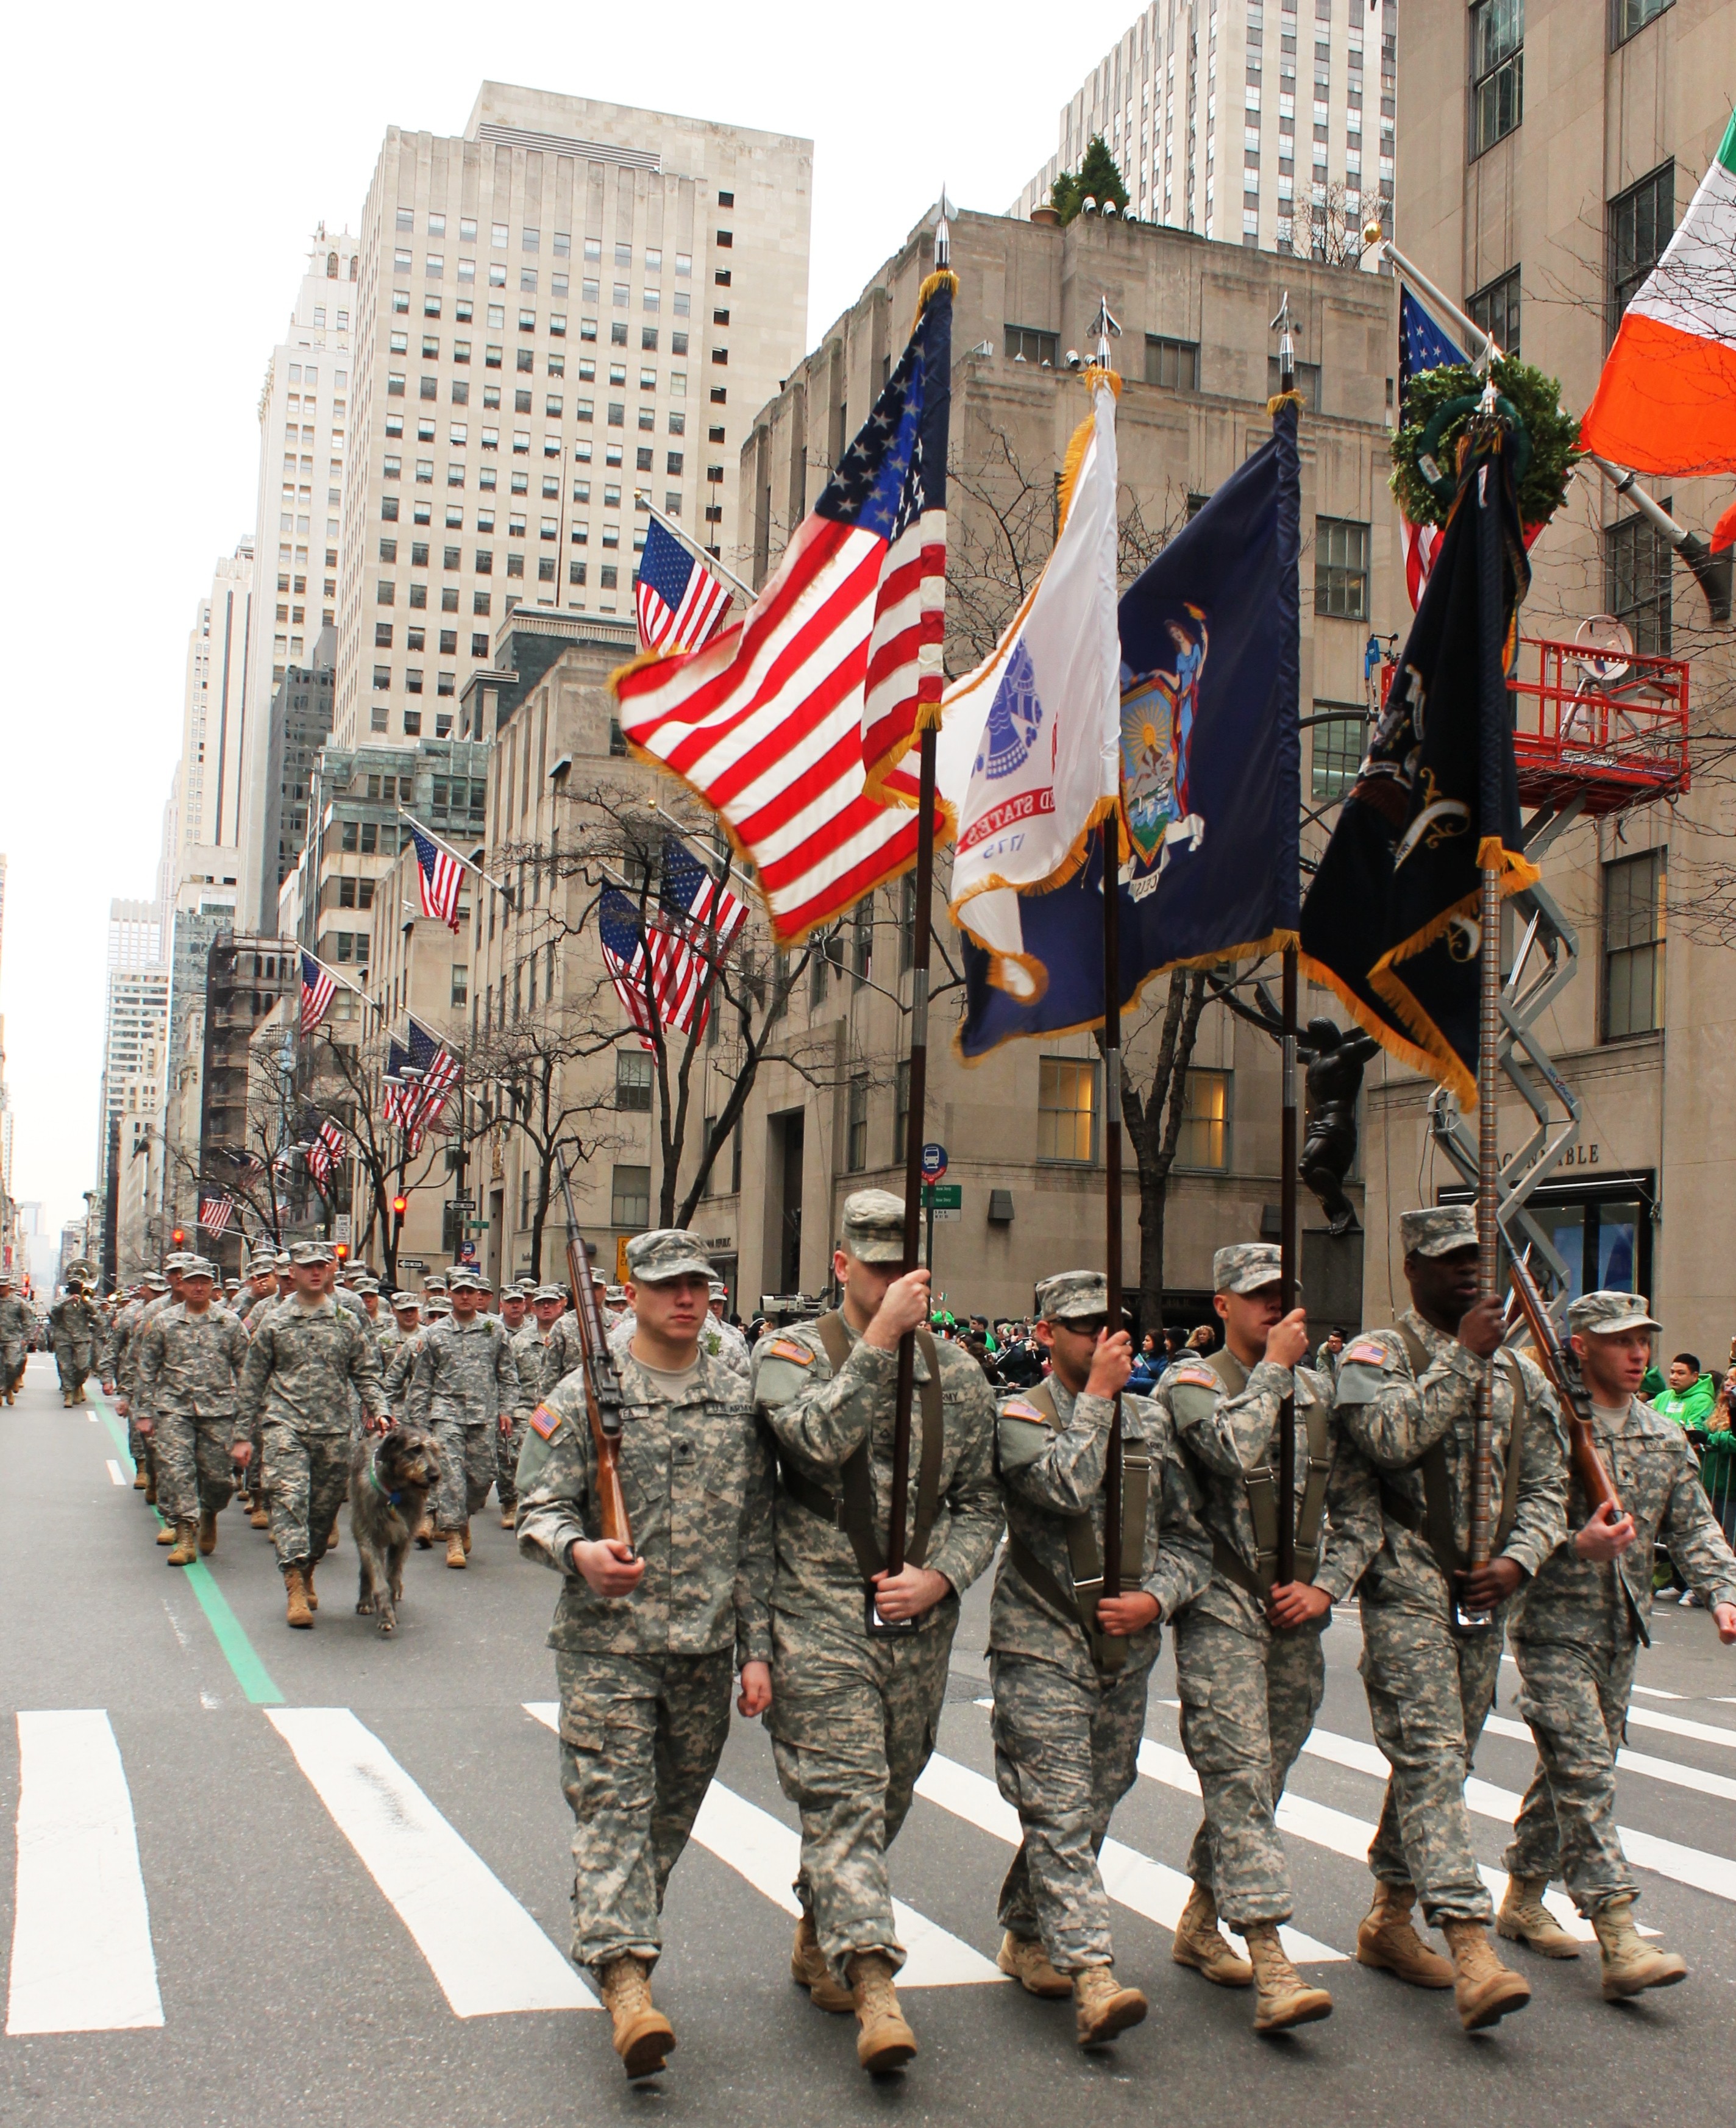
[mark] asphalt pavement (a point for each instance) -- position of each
(263, 1875)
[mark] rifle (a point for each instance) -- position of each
(602, 1384)
(1558, 1363)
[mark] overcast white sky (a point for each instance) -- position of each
(166, 169)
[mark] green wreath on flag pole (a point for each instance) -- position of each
(1424, 476)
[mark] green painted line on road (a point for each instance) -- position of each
(251, 1675)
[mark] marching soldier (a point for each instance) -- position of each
(1249, 1667)
(722, 1337)
(647, 1639)
(1407, 1401)
(16, 1324)
(562, 1350)
(74, 1330)
(464, 1390)
(117, 1362)
(134, 1409)
(189, 1366)
(1577, 1631)
(302, 1363)
(400, 1361)
(857, 1705)
(1070, 1668)
(545, 1303)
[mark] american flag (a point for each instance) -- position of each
(441, 1072)
(215, 1212)
(680, 602)
(239, 1156)
(319, 987)
(324, 1142)
(696, 922)
(442, 876)
(793, 724)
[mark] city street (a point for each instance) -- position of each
(321, 1877)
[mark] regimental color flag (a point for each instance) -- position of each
(1666, 402)
(1210, 774)
(792, 724)
(215, 1212)
(1031, 735)
(319, 987)
(680, 602)
(1391, 920)
(442, 876)
(441, 1072)
(1422, 345)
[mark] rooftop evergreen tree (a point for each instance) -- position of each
(1096, 179)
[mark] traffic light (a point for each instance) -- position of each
(179, 1237)
(400, 1206)
(341, 1251)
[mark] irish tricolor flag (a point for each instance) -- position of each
(1666, 400)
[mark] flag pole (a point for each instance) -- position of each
(641, 500)
(469, 864)
(1284, 1565)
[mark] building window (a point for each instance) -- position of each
(1637, 583)
(1205, 1136)
(1308, 382)
(1633, 945)
(1496, 309)
(901, 1112)
(856, 1153)
(861, 941)
(1172, 364)
(632, 1079)
(1066, 1109)
(1337, 750)
(1642, 221)
(1341, 568)
(629, 1198)
(1497, 70)
(1630, 16)
(1030, 344)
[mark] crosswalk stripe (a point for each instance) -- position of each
(767, 1853)
(114, 1477)
(1132, 1880)
(82, 1956)
(1655, 1692)
(1640, 1762)
(487, 1953)
(1678, 1725)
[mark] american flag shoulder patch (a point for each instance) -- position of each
(1367, 1353)
(1016, 1408)
(543, 1421)
(1195, 1375)
(788, 1348)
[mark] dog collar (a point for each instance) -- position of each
(392, 1499)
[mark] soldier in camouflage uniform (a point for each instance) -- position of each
(303, 1362)
(647, 1638)
(855, 1711)
(1577, 1631)
(129, 1405)
(190, 1363)
(1070, 1668)
(721, 1337)
(545, 1303)
(1403, 1394)
(16, 1324)
(118, 1357)
(1249, 1665)
(464, 1390)
(400, 1359)
(74, 1330)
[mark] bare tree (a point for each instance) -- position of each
(341, 1075)
(1154, 1113)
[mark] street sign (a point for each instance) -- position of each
(412, 1263)
(467, 1254)
(944, 1197)
(340, 1227)
(934, 1162)
(465, 1201)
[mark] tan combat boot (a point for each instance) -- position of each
(1524, 1918)
(150, 1483)
(1485, 1990)
(185, 1551)
(1285, 1997)
(1199, 1943)
(139, 1480)
(455, 1548)
(207, 1533)
(426, 1533)
(307, 1583)
(295, 1589)
(1388, 1941)
(643, 2036)
(260, 1518)
(1630, 1966)
(166, 1535)
(508, 1518)
(885, 2041)
(808, 1969)
(1101, 2006)
(1023, 1959)
(464, 1532)
(66, 1399)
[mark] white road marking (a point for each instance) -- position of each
(1653, 1692)
(486, 1951)
(1132, 1879)
(1678, 1725)
(81, 1957)
(767, 1853)
(1640, 1762)
(114, 1472)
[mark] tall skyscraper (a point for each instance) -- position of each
(298, 725)
(214, 733)
(1167, 99)
(304, 420)
(135, 1021)
(574, 301)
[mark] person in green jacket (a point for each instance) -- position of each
(1690, 1396)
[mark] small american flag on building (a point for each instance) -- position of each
(441, 1072)
(324, 1142)
(318, 989)
(695, 921)
(215, 1212)
(624, 955)
(442, 876)
(680, 602)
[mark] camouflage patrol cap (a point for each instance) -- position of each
(666, 1252)
(1604, 1314)
(873, 1226)
(1067, 1294)
(198, 1267)
(550, 1292)
(284, 1260)
(179, 1259)
(719, 1291)
(438, 1305)
(1438, 1230)
(400, 1301)
(1246, 1266)
(364, 1286)
(156, 1282)
(302, 1254)
(466, 1281)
